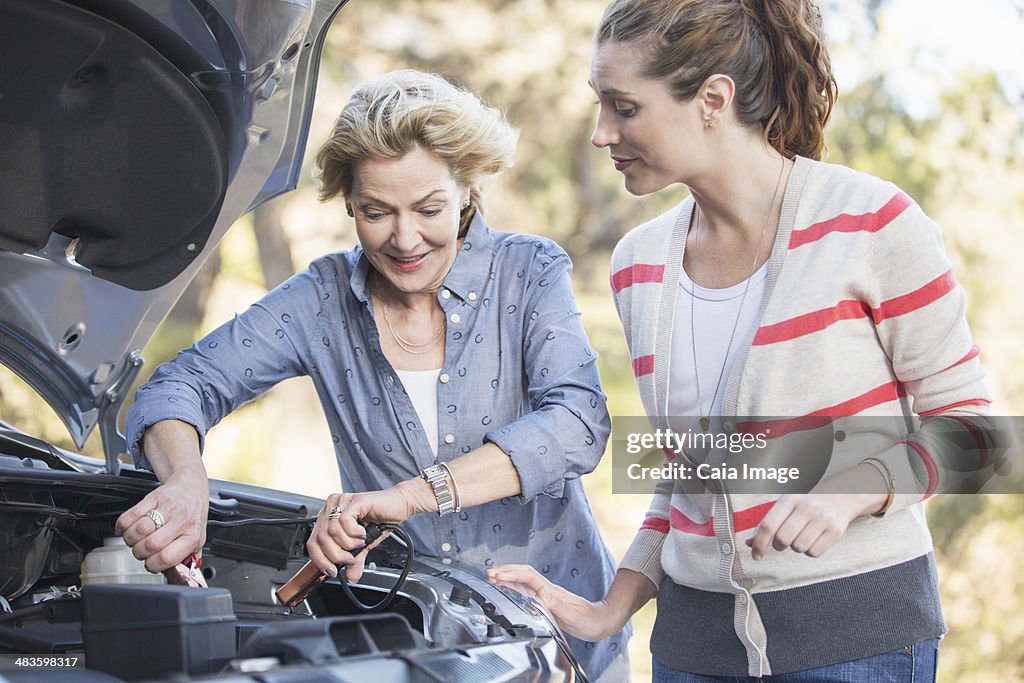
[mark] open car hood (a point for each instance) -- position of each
(135, 133)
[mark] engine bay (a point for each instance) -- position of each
(444, 623)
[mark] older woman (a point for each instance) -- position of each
(782, 286)
(450, 362)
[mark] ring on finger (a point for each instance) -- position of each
(335, 512)
(158, 519)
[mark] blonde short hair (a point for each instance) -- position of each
(389, 116)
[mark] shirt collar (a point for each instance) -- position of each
(467, 277)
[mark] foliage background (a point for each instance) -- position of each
(951, 134)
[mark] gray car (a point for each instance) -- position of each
(133, 134)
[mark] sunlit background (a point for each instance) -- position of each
(931, 97)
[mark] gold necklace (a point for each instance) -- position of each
(705, 420)
(405, 344)
(408, 346)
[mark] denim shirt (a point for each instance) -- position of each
(518, 371)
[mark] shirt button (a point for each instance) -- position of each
(727, 549)
(444, 378)
(456, 317)
(445, 294)
(449, 438)
(742, 599)
(472, 296)
(446, 560)
(446, 547)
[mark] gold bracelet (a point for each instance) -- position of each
(455, 487)
(883, 469)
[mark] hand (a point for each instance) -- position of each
(335, 537)
(183, 501)
(575, 615)
(811, 523)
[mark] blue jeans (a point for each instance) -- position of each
(910, 664)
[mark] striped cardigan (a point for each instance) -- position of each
(861, 316)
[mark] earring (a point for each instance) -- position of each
(348, 210)
(707, 123)
(465, 205)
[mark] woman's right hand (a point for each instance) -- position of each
(183, 503)
(577, 616)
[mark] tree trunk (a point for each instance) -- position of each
(274, 248)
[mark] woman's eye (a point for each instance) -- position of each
(431, 211)
(372, 215)
(625, 112)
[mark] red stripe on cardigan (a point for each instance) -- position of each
(776, 429)
(850, 309)
(741, 521)
(919, 298)
(844, 222)
(971, 355)
(929, 465)
(809, 323)
(637, 274)
(655, 523)
(966, 402)
(644, 365)
(977, 435)
(890, 391)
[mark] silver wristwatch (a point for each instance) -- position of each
(436, 476)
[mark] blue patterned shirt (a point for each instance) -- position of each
(518, 371)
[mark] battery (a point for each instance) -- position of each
(136, 631)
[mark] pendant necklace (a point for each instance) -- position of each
(705, 419)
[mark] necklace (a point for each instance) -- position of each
(405, 344)
(705, 419)
(408, 346)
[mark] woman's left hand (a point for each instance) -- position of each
(335, 536)
(811, 523)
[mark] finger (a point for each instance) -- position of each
(771, 522)
(518, 574)
(347, 531)
(354, 570)
(131, 518)
(807, 537)
(789, 530)
(334, 552)
(138, 531)
(825, 541)
(171, 554)
(319, 559)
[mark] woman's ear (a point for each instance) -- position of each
(715, 97)
(348, 210)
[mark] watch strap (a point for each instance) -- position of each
(437, 477)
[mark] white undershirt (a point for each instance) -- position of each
(422, 388)
(714, 314)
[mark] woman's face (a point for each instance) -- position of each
(649, 133)
(407, 218)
